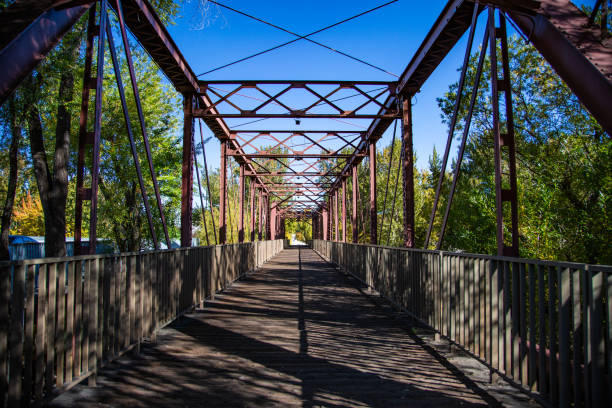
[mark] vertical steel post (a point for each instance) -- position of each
(343, 209)
(408, 172)
(504, 149)
(267, 209)
(336, 235)
(212, 213)
(325, 224)
(354, 207)
(187, 171)
(330, 223)
(223, 193)
(253, 214)
(85, 137)
(273, 223)
(241, 204)
(260, 212)
(373, 214)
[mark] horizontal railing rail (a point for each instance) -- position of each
(543, 325)
(61, 319)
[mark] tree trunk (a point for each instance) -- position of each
(53, 186)
(7, 211)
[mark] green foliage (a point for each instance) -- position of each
(564, 168)
(121, 211)
(301, 228)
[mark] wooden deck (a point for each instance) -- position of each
(296, 333)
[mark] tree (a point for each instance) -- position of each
(7, 211)
(564, 163)
(51, 117)
(28, 217)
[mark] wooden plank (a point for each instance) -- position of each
(515, 317)
(15, 384)
(462, 299)
(146, 296)
(108, 299)
(85, 316)
(138, 299)
(69, 336)
(93, 327)
(608, 345)
(5, 299)
(480, 287)
(507, 320)
(552, 336)
(122, 296)
(78, 318)
(155, 275)
(470, 304)
(543, 378)
(532, 356)
(114, 303)
(41, 318)
(494, 307)
(597, 340)
(51, 314)
(563, 279)
(488, 312)
(577, 335)
(28, 344)
(60, 328)
(131, 316)
(522, 338)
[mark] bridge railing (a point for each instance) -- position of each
(63, 318)
(543, 325)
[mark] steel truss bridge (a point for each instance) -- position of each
(304, 174)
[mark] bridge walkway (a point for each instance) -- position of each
(295, 333)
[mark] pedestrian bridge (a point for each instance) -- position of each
(333, 324)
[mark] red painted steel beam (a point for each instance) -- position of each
(187, 172)
(292, 156)
(408, 173)
(344, 210)
(354, 206)
(27, 40)
(260, 211)
(575, 52)
(199, 113)
(253, 214)
(241, 207)
(373, 213)
(292, 174)
(222, 194)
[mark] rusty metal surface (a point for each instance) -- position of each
(263, 99)
(574, 50)
(223, 194)
(407, 173)
(28, 31)
(84, 134)
(505, 163)
(187, 172)
(373, 213)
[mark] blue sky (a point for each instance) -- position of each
(387, 37)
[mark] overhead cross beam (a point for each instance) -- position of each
(263, 99)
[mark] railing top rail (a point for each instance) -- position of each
(562, 264)
(50, 260)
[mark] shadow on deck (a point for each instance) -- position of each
(296, 333)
